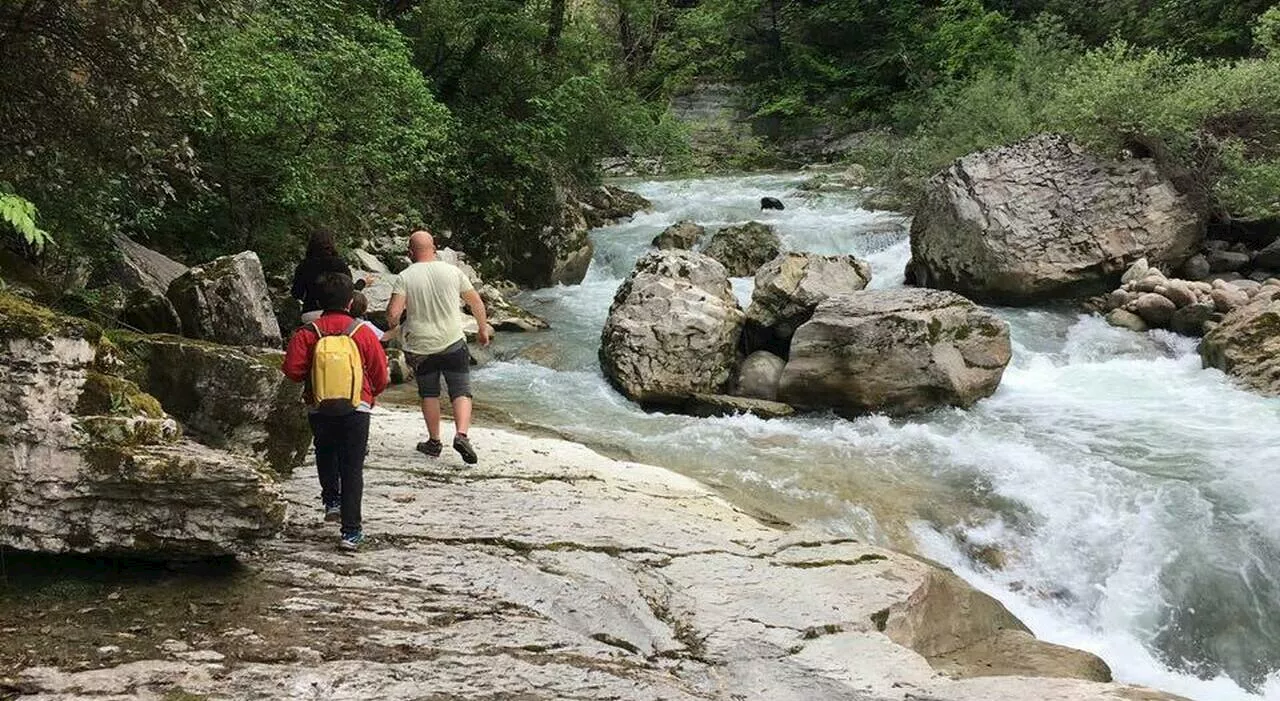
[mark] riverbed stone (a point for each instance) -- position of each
(227, 301)
(1127, 320)
(90, 463)
(895, 352)
(684, 234)
(1155, 309)
(744, 248)
(1190, 320)
(1246, 346)
(608, 204)
(759, 376)
(1197, 267)
(672, 330)
(1043, 219)
(1227, 261)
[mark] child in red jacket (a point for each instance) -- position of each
(340, 441)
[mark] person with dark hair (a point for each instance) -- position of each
(322, 257)
(345, 369)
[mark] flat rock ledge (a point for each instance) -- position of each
(551, 572)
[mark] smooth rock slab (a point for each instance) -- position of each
(895, 351)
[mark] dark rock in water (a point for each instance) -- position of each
(227, 301)
(93, 464)
(607, 204)
(708, 405)
(1190, 320)
(1043, 219)
(672, 330)
(895, 352)
(683, 235)
(743, 249)
(771, 203)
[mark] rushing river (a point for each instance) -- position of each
(1133, 498)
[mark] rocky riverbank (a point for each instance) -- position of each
(550, 571)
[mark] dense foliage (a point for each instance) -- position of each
(210, 126)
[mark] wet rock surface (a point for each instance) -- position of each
(550, 572)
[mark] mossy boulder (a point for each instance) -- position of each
(91, 463)
(232, 398)
(227, 301)
(745, 248)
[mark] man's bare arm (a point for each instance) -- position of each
(395, 310)
(476, 305)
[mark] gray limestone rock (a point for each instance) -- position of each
(227, 301)
(145, 275)
(743, 249)
(759, 376)
(92, 464)
(683, 235)
(789, 287)
(672, 330)
(1043, 219)
(895, 351)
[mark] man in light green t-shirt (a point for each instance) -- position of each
(427, 294)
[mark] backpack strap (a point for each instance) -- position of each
(316, 329)
(354, 327)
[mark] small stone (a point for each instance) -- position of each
(1136, 272)
(172, 646)
(108, 650)
(1227, 261)
(1225, 300)
(1179, 292)
(1118, 298)
(113, 596)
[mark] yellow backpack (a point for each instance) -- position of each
(337, 372)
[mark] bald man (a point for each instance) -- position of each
(427, 294)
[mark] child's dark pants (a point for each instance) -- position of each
(341, 443)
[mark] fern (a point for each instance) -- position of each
(21, 214)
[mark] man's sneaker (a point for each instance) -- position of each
(333, 512)
(431, 448)
(351, 541)
(463, 445)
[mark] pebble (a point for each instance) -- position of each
(108, 650)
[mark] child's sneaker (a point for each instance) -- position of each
(351, 541)
(463, 445)
(333, 512)
(431, 448)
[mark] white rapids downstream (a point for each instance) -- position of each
(1133, 497)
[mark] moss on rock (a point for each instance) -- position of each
(105, 395)
(20, 318)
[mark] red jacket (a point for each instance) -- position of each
(297, 359)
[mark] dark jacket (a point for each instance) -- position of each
(305, 277)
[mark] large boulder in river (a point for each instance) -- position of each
(743, 249)
(89, 463)
(1246, 345)
(672, 330)
(789, 287)
(895, 352)
(1043, 219)
(683, 234)
(231, 398)
(145, 275)
(227, 301)
(607, 204)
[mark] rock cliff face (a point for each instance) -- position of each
(555, 573)
(1042, 219)
(89, 463)
(672, 330)
(895, 351)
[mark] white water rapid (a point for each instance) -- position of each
(1133, 497)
